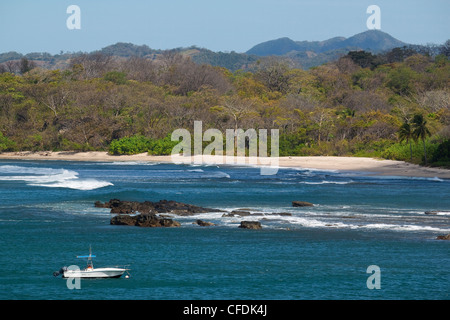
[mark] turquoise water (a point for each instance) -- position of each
(47, 218)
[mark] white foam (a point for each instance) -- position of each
(195, 170)
(394, 227)
(310, 170)
(306, 220)
(316, 223)
(131, 163)
(215, 174)
(315, 220)
(49, 177)
(434, 179)
(312, 223)
(442, 213)
(78, 184)
(326, 182)
(204, 216)
(28, 170)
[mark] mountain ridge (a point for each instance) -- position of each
(373, 40)
(303, 54)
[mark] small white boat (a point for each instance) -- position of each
(90, 271)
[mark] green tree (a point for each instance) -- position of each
(363, 59)
(6, 144)
(442, 154)
(421, 131)
(130, 145)
(116, 77)
(401, 80)
(405, 133)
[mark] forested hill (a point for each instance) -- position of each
(374, 41)
(128, 98)
(393, 105)
(303, 54)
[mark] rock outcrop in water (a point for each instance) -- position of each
(149, 207)
(143, 220)
(202, 223)
(302, 204)
(255, 225)
(149, 212)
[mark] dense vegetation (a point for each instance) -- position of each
(393, 105)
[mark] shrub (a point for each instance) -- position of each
(441, 156)
(400, 151)
(162, 146)
(130, 145)
(116, 77)
(139, 144)
(6, 144)
(292, 144)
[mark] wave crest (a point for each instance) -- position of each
(50, 177)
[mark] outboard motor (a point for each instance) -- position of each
(61, 271)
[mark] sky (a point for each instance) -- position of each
(226, 25)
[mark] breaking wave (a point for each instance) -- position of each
(129, 163)
(327, 182)
(49, 177)
(344, 220)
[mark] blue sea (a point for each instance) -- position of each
(47, 218)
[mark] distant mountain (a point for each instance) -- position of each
(371, 40)
(304, 54)
(121, 49)
(276, 47)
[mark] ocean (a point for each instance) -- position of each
(325, 252)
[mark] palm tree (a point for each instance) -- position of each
(420, 131)
(405, 133)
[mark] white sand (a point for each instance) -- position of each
(370, 165)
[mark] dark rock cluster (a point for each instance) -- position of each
(149, 207)
(151, 214)
(147, 213)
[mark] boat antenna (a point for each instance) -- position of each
(88, 256)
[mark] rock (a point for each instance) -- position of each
(443, 237)
(124, 220)
(302, 204)
(225, 215)
(148, 207)
(143, 220)
(121, 207)
(241, 213)
(238, 213)
(99, 204)
(255, 225)
(179, 208)
(204, 223)
(280, 214)
(245, 214)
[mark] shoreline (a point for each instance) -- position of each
(370, 166)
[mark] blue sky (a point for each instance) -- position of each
(225, 25)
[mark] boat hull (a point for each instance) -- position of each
(95, 273)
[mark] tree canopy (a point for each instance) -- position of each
(355, 105)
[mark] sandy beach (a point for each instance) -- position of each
(369, 165)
